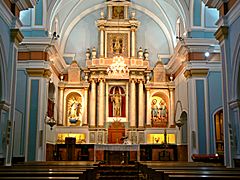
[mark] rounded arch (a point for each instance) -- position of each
(73, 23)
(74, 108)
(3, 76)
(184, 119)
(66, 32)
(236, 70)
(163, 95)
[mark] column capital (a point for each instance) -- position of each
(16, 36)
(195, 73)
(101, 79)
(132, 80)
(221, 33)
(39, 72)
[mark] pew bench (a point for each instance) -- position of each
(190, 177)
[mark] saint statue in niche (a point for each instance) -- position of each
(117, 12)
(116, 99)
(117, 45)
(117, 102)
(159, 113)
(74, 110)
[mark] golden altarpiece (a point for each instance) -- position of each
(117, 95)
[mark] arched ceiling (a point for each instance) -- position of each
(76, 24)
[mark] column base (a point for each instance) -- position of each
(148, 126)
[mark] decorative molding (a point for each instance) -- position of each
(221, 33)
(234, 104)
(16, 36)
(196, 73)
(36, 55)
(38, 72)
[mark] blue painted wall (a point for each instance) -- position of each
(214, 102)
(33, 120)
(211, 16)
(201, 116)
(21, 100)
(197, 6)
(39, 13)
(5, 36)
(26, 17)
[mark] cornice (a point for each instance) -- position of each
(196, 73)
(221, 33)
(25, 4)
(38, 72)
(16, 36)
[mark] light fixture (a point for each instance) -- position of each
(50, 121)
(207, 54)
(171, 77)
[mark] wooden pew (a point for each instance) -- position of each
(190, 177)
(199, 173)
(157, 171)
(51, 169)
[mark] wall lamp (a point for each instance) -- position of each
(55, 36)
(50, 121)
(180, 38)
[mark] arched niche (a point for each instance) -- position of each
(117, 102)
(51, 99)
(74, 109)
(159, 110)
(219, 131)
(183, 118)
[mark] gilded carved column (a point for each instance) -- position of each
(132, 103)
(172, 107)
(148, 108)
(60, 112)
(133, 41)
(93, 104)
(101, 106)
(84, 123)
(140, 105)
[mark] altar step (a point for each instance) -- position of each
(119, 172)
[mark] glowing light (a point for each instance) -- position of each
(207, 54)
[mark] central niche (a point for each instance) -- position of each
(117, 102)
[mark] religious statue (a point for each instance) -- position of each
(74, 111)
(116, 99)
(159, 112)
(154, 108)
(117, 45)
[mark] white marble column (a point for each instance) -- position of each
(132, 104)
(101, 106)
(60, 105)
(141, 104)
(148, 108)
(125, 12)
(101, 28)
(133, 41)
(93, 104)
(172, 107)
(84, 123)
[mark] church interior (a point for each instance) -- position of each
(120, 82)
